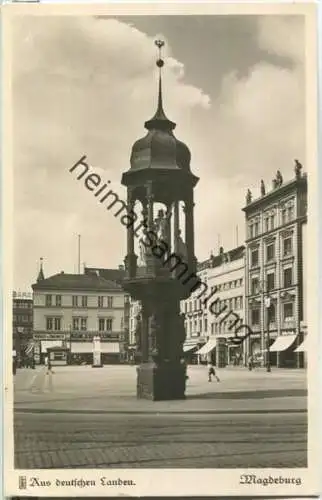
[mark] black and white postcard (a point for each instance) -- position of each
(159, 240)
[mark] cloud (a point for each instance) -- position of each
(86, 86)
(257, 127)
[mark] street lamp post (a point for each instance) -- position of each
(267, 305)
(70, 344)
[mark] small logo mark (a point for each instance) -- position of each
(22, 483)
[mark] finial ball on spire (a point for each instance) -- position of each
(159, 44)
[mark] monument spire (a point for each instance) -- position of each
(41, 275)
(160, 121)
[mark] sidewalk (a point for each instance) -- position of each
(112, 389)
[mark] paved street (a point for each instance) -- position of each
(83, 417)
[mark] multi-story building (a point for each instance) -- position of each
(117, 276)
(208, 335)
(274, 270)
(22, 323)
(70, 309)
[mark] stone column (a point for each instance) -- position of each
(175, 226)
(168, 235)
(131, 258)
(189, 237)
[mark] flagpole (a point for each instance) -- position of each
(79, 246)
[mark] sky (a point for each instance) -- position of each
(234, 85)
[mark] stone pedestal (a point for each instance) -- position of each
(161, 382)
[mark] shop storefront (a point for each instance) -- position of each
(283, 346)
(207, 353)
(58, 355)
(82, 353)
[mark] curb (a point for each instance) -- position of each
(160, 412)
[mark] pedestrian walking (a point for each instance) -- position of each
(250, 363)
(48, 364)
(212, 372)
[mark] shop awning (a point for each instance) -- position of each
(211, 344)
(87, 347)
(82, 347)
(45, 344)
(110, 347)
(282, 343)
(302, 347)
(188, 347)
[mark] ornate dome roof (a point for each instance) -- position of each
(160, 149)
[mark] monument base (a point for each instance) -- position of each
(161, 383)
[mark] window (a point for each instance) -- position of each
(270, 251)
(195, 305)
(200, 325)
(190, 305)
(75, 323)
(110, 302)
(53, 323)
(83, 323)
(254, 257)
(284, 216)
(101, 324)
(272, 219)
(185, 307)
(266, 223)
(84, 300)
(288, 311)
(75, 300)
(256, 228)
(254, 286)
(109, 324)
(271, 311)
(57, 324)
(212, 328)
(255, 315)
(48, 300)
(251, 230)
(287, 246)
(270, 281)
(290, 211)
(206, 324)
(58, 300)
(100, 301)
(287, 274)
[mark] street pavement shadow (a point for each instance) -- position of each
(258, 394)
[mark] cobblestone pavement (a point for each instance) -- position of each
(80, 417)
(208, 441)
(113, 388)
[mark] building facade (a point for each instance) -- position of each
(209, 329)
(71, 309)
(275, 276)
(22, 326)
